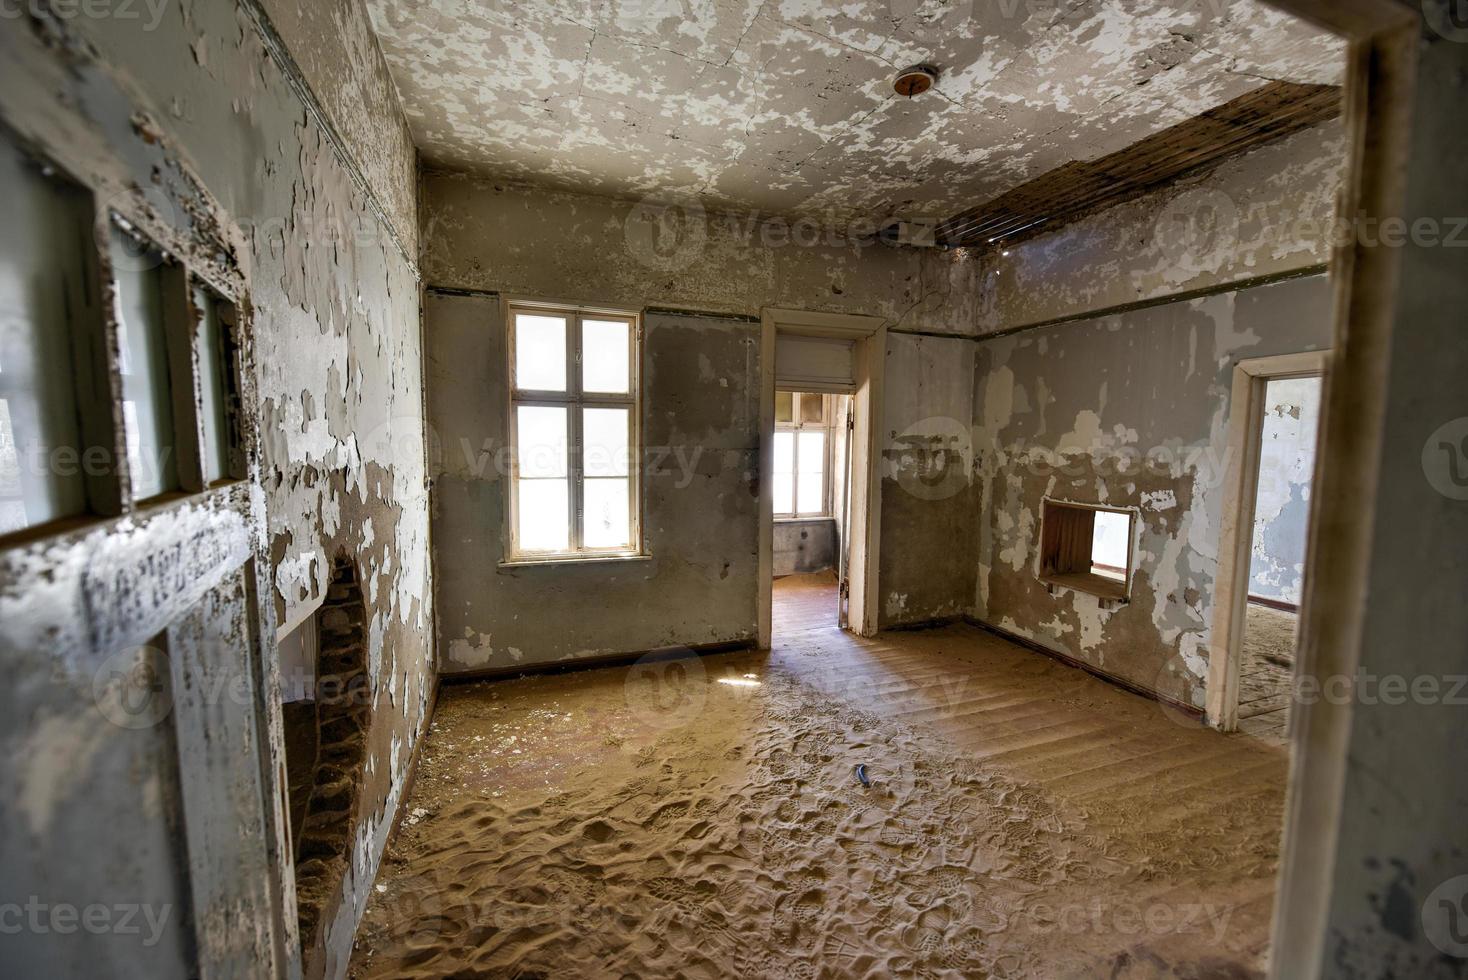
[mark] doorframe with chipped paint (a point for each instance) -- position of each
(869, 337)
(1380, 87)
(1241, 483)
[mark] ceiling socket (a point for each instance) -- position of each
(915, 80)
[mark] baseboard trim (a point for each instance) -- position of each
(936, 623)
(1129, 686)
(593, 663)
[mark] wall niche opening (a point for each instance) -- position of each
(1087, 548)
(326, 710)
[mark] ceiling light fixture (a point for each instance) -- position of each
(914, 80)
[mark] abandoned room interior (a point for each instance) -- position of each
(734, 488)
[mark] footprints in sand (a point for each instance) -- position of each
(744, 846)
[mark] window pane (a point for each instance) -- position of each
(605, 433)
(213, 386)
(812, 409)
(1110, 538)
(544, 520)
(608, 523)
(540, 352)
(784, 473)
(812, 473)
(41, 269)
(540, 442)
(784, 406)
(147, 406)
(605, 347)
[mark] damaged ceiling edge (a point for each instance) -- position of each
(1081, 189)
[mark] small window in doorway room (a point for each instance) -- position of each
(802, 462)
(1087, 548)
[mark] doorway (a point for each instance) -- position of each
(1263, 558)
(811, 482)
(820, 490)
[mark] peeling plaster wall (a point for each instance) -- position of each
(1282, 506)
(1266, 213)
(1396, 879)
(336, 326)
(333, 44)
(523, 240)
(1129, 410)
(700, 418)
(928, 491)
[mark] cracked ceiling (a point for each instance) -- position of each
(786, 106)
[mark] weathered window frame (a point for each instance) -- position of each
(797, 426)
(95, 336)
(573, 399)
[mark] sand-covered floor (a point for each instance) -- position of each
(1265, 681)
(701, 817)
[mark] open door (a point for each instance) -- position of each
(843, 521)
(834, 353)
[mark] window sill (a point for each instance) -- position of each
(512, 563)
(1100, 586)
(812, 519)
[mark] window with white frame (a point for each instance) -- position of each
(802, 455)
(573, 433)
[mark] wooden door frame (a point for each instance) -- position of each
(869, 337)
(1381, 80)
(1235, 547)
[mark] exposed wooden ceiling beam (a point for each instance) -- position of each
(1266, 114)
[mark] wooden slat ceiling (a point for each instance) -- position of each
(1077, 189)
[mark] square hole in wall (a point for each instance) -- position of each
(1087, 548)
